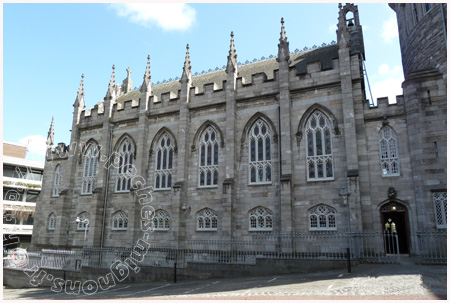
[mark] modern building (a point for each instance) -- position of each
(22, 183)
(270, 146)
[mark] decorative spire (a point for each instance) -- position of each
(283, 31)
(51, 135)
(146, 84)
(127, 84)
(187, 74)
(232, 56)
(79, 101)
(283, 46)
(112, 82)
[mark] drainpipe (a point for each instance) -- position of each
(279, 174)
(111, 130)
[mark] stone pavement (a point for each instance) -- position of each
(405, 281)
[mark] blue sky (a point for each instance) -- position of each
(46, 48)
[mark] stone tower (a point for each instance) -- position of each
(423, 40)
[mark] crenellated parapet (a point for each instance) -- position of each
(384, 109)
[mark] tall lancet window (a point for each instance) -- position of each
(90, 169)
(319, 155)
(126, 151)
(164, 162)
(208, 158)
(389, 153)
(260, 153)
(56, 181)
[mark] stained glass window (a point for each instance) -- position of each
(209, 158)
(260, 164)
(164, 162)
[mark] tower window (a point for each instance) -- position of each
(389, 152)
(440, 207)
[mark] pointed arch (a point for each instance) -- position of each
(164, 159)
(123, 138)
(119, 220)
(158, 136)
(309, 112)
(90, 166)
(260, 219)
(322, 217)
(51, 221)
(389, 158)
(56, 181)
(200, 131)
(88, 144)
(319, 147)
(250, 123)
(161, 220)
(207, 219)
(125, 149)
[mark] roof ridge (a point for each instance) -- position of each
(246, 62)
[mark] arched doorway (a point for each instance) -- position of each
(394, 217)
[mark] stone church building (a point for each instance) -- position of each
(282, 145)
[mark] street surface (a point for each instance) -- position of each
(367, 281)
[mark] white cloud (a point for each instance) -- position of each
(384, 69)
(332, 28)
(168, 16)
(389, 87)
(390, 30)
(36, 147)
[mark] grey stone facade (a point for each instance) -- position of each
(283, 92)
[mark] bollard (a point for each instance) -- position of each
(349, 265)
(175, 272)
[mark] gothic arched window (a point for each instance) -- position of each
(89, 169)
(440, 207)
(83, 224)
(260, 218)
(260, 153)
(52, 221)
(322, 217)
(388, 152)
(126, 151)
(119, 221)
(161, 220)
(207, 219)
(208, 173)
(164, 162)
(56, 181)
(319, 155)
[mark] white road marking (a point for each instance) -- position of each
(153, 288)
(340, 275)
(271, 280)
(216, 282)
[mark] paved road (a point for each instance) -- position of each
(379, 282)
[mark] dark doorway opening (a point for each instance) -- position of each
(397, 214)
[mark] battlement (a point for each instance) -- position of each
(384, 108)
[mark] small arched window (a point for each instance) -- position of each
(164, 162)
(119, 221)
(56, 181)
(260, 153)
(126, 152)
(206, 219)
(208, 158)
(161, 220)
(389, 152)
(319, 155)
(89, 169)
(83, 224)
(52, 221)
(260, 218)
(322, 217)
